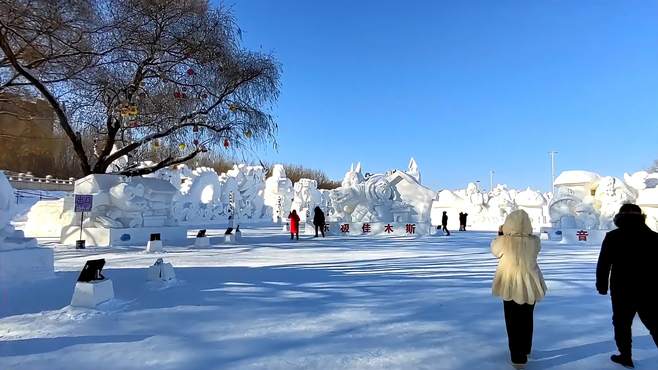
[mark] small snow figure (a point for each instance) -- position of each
(582, 235)
(388, 228)
(411, 228)
(365, 228)
(345, 228)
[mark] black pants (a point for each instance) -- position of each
(292, 235)
(519, 323)
(321, 227)
(445, 229)
(623, 313)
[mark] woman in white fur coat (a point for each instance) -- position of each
(518, 281)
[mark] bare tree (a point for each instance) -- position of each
(162, 80)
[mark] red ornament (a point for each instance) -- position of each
(177, 95)
(190, 72)
(226, 143)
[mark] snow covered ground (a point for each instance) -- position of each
(314, 304)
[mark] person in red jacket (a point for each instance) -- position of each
(294, 224)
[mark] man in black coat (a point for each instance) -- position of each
(461, 221)
(444, 222)
(628, 259)
(318, 221)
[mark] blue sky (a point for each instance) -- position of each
(462, 86)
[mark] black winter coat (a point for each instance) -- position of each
(318, 217)
(629, 258)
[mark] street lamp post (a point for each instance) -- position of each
(552, 153)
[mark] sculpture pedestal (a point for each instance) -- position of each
(153, 246)
(26, 264)
(101, 237)
(93, 293)
(202, 242)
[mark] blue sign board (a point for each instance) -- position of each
(83, 203)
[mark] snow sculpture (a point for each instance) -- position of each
(533, 202)
(501, 203)
(379, 198)
(125, 210)
(610, 195)
(413, 170)
(200, 197)
(573, 197)
(251, 187)
(306, 198)
(278, 193)
(47, 217)
(21, 258)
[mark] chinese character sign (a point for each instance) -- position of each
(411, 228)
(83, 203)
(366, 228)
(388, 228)
(582, 235)
(345, 228)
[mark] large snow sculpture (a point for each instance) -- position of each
(200, 198)
(251, 189)
(21, 258)
(610, 195)
(306, 198)
(394, 197)
(125, 210)
(278, 193)
(413, 170)
(534, 203)
(573, 198)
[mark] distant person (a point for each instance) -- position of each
(461, 221)
(318, 221)
(628, 259)
(518, 281)
(465, 220)
(293, 217)
(444, 223)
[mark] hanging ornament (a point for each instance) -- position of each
(156, 143)
(182, 146)
(226, 143)
(195, 128)
(190, 72)
(248, 134)
(177, 95)
(125, 112)
(133, 110)
(196, 141)
(232, 107)
(204, 96)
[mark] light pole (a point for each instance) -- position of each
(552, 153)
(491, 174)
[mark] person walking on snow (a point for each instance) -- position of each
(627, 263)
(518, 281)
(294, 224)
(318, 221)
(444, 222)
(461, 221)
(465, 220)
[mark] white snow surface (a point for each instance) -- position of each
(334, 303)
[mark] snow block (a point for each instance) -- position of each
(153, 246)
(26, 264)
(580, 236)
(160, 271)
(105, 237)
(93, 293)
(202, 242)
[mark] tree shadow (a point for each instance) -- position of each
(33, 346)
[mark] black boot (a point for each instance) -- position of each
(519, 360)
(623, 360)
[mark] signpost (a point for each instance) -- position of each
(83, 203)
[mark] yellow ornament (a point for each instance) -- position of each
(182, 146)
(248, 134)
(232, 107)
(133, 110)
